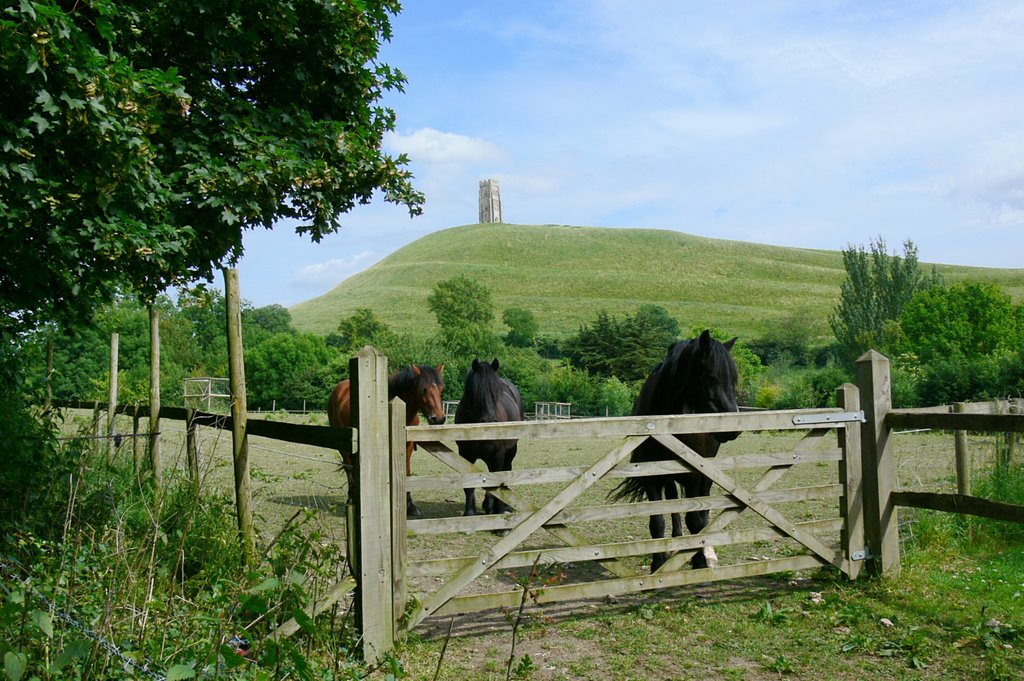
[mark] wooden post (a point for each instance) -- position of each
(154, 394)
(136, 452)
(397, 438)
(963, 456)
(192, 445)
(112, 397)
(881, 530)
(239, 439)
(375, 593)
(1016, 407)
(851, 505)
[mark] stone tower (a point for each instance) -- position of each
(490, 201)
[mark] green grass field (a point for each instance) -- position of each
(566, 275)
(954, 612)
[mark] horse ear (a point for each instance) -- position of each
(476, 364)
(704, 342)
(416, 371)
(495, 364)
(440, 369)
(729, 343)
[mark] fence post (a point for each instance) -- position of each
(398, 439)
(154, 394)
(136, 453)
(192, 445)
(375, 592)
(963, 456)
(881, 530)
(850, 477)
(1016, 406)
(239, 436)
(112, 397)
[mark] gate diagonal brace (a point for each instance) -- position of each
(763, 484)
(565, 534)
(750, 499)
(524, 529)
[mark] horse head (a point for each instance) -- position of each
(429, 386)
(713, 379)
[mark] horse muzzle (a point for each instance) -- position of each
(436, 420)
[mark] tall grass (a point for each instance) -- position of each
(133, 578)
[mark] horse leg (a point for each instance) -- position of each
(411, 509)
(470, 501)
(696, 521)
(505, 464)
(656, 523)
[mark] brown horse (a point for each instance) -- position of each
(420, 388)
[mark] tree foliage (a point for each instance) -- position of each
(628, 348)
(876, 288)
(967, 319)
(522, 327)
(464, 309)
(138, 141)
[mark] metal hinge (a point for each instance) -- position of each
(863, 554)
(841, 417)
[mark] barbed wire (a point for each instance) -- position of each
(111, 648)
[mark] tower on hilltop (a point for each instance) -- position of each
(490, 201)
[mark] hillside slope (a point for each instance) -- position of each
(566, 275)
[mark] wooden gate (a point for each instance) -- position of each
(562, 515)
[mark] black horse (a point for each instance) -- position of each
(698, 376)
(488, 398)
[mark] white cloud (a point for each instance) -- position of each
(428, 145)
(331, 272)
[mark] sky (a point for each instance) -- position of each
(817, 124)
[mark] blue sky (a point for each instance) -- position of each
(805, 124)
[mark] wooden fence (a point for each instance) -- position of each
(559, 505)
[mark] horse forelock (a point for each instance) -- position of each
(489, 396)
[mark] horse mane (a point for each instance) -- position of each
(486, 393)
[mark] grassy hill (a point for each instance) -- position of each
(566, 275)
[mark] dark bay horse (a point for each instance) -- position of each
(420, 388)
(697, 376)
(488, 398)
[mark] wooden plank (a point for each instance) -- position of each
(751, 499)
(539, 476)
(320, 605)
(986, 423)
(480, 523)
(959, 503)
(851, 506)
(398, 528)
(532, 523)
(624, 426)
(518, 501)
(621, 586)
(579, 554)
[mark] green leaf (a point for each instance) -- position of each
(43, 621)
(304, 620)
(181, 671)
(266, 585)
(15, 664)
(74, 650)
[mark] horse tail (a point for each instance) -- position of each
(630, 489)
